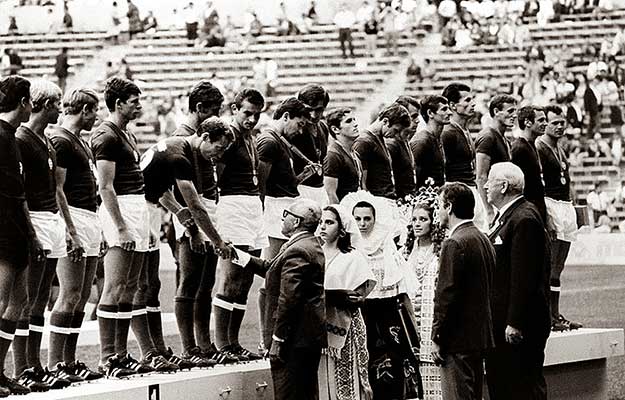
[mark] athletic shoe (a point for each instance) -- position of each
(220, 356)
(53, 380)
(113, 368)
(562, 324)
(12, 386)
(158, 363)
(132, 364)
(240, 351)
(64, 371)
(196, 357)
(572, 325)
(181, 362)
(32, 380)
(81, 370)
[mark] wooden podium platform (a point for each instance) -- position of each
(575, 368)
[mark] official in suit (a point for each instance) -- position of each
(294, 317)
(462, 330)
(520, 290)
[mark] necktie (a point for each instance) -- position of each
(492, 223)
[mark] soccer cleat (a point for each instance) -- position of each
(113, 368)
(238, 350)
(32, 380)
(159, 363)
(12, 386)
(196, 357)
(134, 365)
(53, 380)
(227, 356)
(67, 372)
(562, 324)
(81, 370)
(181, 362)
(572, 325)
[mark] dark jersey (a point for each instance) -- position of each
(428, 156)
(282, 181)
(239, 167)
(459, 153)
(555, 172)
(376, 160)
(39, 160)
(524, 155)
(403, 167)
(110, 143)
(312, 143)
(11, 166)
(494, 145)
(208, 183)
(166, 161)
(344, 167)
(75, 156)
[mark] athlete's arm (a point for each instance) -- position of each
(106, 175)
(482, 167)
(264, 168)
(331, 184)
(77, 250)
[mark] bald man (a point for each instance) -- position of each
(520, 290)
(295, 304)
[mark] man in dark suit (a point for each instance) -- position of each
(519, 301)
(295, 330)
(462, 330)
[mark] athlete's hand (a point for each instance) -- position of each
(37, 252)
(437, 356)
(197, 243)
(185, 217)
(513, 335)
(75, 249)
(225, 250)
(275, 351)
(104, 247)
(126, 241)
(308, 171)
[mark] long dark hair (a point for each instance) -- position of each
(344, 241)
(437, 234)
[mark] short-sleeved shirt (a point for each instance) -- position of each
(39, 160)
(163, 163)
(429, 159)
(312, 143)
(524, 155)
(459, 153)
(11, 166)
(74, 155)
(110, 143)
(239, 166)
(282, 181)
(493, 144)
(376, 160)
(403, 167)
(208, 184)
(344, 167)
(553, 172)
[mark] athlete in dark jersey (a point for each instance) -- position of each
(240, 220)
(17, 235)
(399, 147)
(491, 145)
(39, 161)
(561, 217)
(77, 200)
(125, 223)
(341, 168)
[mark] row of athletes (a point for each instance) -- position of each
(226, 186)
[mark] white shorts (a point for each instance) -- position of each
(154, 215)
(317, 194)
(274, 207)
(50, 230)
(134, 210)
(480, 218)
(562, 218)
(88, 229)
(211, 208)
(240, 221)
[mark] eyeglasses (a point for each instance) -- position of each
(287, 212)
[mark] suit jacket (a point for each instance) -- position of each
(295, 300)
(462, 316)
(520, 290)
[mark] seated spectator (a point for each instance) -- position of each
(531, 9)
(310, 17)
(12, 30)
(150, 24)
(492, 31)
(506, 32)
(286, 27)
(210, 18)
(545, 12)
(521, 34)
(135, 23)
(255, 28)
(413, 73)
(446, 10)
(215, 37)
(618, 43)
(15, 62)
(428, 71)
(598, 201)
(463, 37)
(68, 22)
